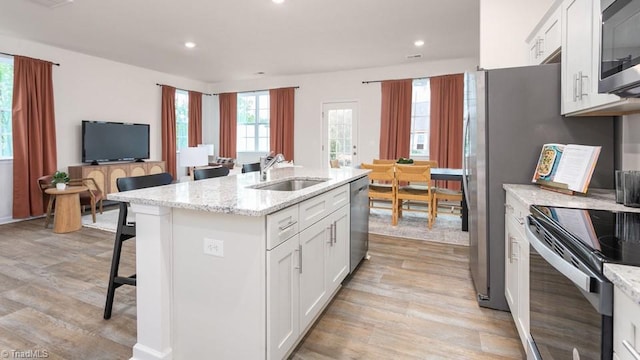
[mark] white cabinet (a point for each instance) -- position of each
(517, 265)
(313, 284)
(283, 266)
(338, 249)
(545, 41)
(626, 326)
(580, 22)
(304, 270)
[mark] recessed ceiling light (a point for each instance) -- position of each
(278, 1)
(190, 44)
(418, 43)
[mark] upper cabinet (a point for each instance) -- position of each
(545, 40)
(580, 23)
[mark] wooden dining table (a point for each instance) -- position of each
(454, 175)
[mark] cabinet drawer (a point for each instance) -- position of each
(320, 206)
(626, 326)
(515, 209)
(281, 226)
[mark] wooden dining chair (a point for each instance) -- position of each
(92, 197)
(382, 187)
(432, 163)
(127, 230)
(208, 173)
(447, 195)
(421, 194)
(384, 161)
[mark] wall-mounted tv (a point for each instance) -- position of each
(114, 141)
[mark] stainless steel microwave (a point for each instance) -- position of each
(620, 48)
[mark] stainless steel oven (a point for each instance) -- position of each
(570, 299)
(620, 48)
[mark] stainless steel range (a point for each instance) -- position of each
(571, 301)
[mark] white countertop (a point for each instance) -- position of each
(627, 278)
(231, 195)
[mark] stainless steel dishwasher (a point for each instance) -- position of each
(359, 221)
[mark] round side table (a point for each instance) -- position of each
(67, 216)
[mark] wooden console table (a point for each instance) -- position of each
(106, 175)
(67, 216)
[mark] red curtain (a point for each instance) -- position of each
(168, 113)
(195, 118)
(445, 143)
(228, 124)
(395, 123)
(281, 121)
(34, 133)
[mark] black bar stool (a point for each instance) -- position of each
(126, 231)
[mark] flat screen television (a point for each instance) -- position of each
(114, 141)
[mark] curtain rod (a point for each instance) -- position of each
(377, 81)
(186, 90)
(249, 91)
(52, 63)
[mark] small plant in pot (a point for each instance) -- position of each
(60, 180)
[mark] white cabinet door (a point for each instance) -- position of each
(576, 54)
(283, 263)
(313, 287)
(626, 322)
(338, 249)
(511, 247)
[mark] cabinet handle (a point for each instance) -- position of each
(581, 92)
(335, 232)
(300, 258)
(508, 206)
(575, 87)
(629, 347)
(520, 220)
(540, 47)
(510, 249)
(330, 228)
(290, 224)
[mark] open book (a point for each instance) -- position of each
(570, 165)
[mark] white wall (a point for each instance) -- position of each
(504, 27)
(91, 88)
(6, 182)
(316, 89)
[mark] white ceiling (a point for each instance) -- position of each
(238, 38)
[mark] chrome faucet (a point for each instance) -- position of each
(267, 164)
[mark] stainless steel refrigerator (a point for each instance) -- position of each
(511, 113)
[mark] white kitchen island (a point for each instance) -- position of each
(228, 271)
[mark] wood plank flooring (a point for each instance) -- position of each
(412, 300)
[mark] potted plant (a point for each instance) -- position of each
(60, 180)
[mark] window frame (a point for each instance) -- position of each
(414, 134)
(6, 59)
(257, 124)
(182, 124)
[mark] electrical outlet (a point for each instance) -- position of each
(214, 247)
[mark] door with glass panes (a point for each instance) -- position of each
(340, 138)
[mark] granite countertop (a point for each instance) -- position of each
(599, 199)
(233, 195)
(627, 278)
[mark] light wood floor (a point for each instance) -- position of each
(411, 300)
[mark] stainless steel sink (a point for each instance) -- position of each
(290, 184)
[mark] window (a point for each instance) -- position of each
(253, 122)
(182, 119)
(420, 112)
(6, 95)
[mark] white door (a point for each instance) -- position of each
(340, 133)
